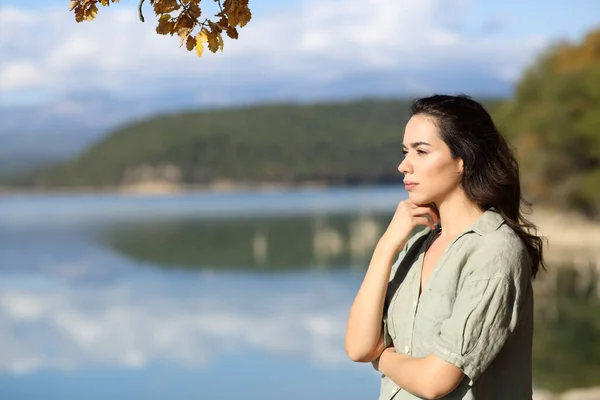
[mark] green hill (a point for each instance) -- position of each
(553, 121)
(344, 143)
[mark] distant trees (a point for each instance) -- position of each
(554, 121)
(336, 144)
(184, 19)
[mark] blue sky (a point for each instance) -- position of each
(258, 6)
(53, 70)
(550, 17)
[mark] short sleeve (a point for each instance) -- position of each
(483, 317)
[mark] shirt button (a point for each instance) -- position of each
(406, 349)
(396, 390)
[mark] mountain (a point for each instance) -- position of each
(358, 142)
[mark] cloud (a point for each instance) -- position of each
(124, 324)
(59, 76)
(20, 74)
(313, 42)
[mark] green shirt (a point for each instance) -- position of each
(475, 311)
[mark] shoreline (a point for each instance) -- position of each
(571, 237)
(590, 393)
(150, 189)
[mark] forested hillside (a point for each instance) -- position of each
(344, 143)
(554, 122)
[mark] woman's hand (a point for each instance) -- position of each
(375, 363)
(407, 216)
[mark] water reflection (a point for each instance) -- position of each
(190, 295)
(567, 329)
(272, 244)
(181, 319)
(80, 305)
(72, 312)
(568, 306)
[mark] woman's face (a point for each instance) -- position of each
(427, 163)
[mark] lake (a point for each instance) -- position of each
(217, 296)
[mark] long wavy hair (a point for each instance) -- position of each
(491, 171)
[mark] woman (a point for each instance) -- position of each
(457, 304)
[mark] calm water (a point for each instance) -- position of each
(208, 296)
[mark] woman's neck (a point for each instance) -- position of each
(457, 213)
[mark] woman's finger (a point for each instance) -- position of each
(434, 215)
(409, 204)
(422, 210)
(424, 221)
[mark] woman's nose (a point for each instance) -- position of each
(404, 166)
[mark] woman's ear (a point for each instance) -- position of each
(460, 165)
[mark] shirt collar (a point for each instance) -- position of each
(489, 221)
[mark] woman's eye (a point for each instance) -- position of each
(421, 152)
(404, 152)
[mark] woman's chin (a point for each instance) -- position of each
(418, 199)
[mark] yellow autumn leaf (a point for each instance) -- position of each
(232, 18)
(165, 6)
(237, 12)
(183, 34)
(184, 21)
(221, 41)
(184, 25)
(223, 23)
(194, 11)
(165, 25)
(215, 27)
(213, 41)
(199, 48)
(244, 16)
(79, 14)
(91, 13)
(232, 33)
(190, 43)
(203, 35)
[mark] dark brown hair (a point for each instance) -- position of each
(491, 172)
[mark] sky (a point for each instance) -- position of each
(57, 75)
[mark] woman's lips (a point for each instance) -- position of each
(410, 185)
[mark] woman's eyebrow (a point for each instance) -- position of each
(415, 144)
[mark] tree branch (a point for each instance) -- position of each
(220, 6)
(140, 10)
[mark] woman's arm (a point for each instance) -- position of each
(364, 339)
(427, 377)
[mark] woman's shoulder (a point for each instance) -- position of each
(503, 239)
(499, 253)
